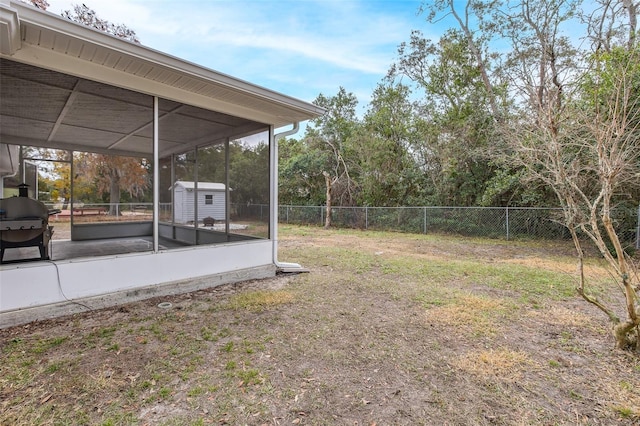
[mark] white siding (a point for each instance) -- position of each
(178, 205)
(215, 210)
(187, 206)
(184, 207)
(43, 283)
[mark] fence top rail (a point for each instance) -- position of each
(426, 207)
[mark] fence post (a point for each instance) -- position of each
(507, 219)
(425, 220)
(366, 217)
(321, 215)
(638, 230)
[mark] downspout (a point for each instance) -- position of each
(281, 266)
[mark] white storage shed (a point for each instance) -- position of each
(210, 201)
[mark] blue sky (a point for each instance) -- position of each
(298, 47)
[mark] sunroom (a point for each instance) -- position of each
(100, 112)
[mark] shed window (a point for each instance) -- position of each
(208, 199)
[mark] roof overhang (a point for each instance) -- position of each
(9, 30)
(41, 39)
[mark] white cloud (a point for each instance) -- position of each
(341, 34)
(301, 48)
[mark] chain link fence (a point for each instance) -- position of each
(490, 222)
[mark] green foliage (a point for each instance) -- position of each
(506, 188)
(403, 152)
(446, 147)
(300, 169)
(249, 172)
(386, 171)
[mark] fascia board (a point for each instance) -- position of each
(10, 40)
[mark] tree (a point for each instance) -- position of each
(61, 183)
(590, 162)
(458, 120)
(611, 23)
(87, 16)
(387, 170)
(578, 133)
(542, 60)
(329, 137)
(298, 165)
(476, 39)
(249, 172)
(211, 164)
(575, 132)
(613, 126)
(111, 175)
(527, 75)
(40, 4)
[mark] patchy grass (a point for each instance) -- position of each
(492, 364)
(260, 300)
(387, 328)
(468, 313)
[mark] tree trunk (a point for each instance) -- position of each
(114, 197)
(623, 332)
(482, 63)
(633, 22)
(327, 180)
(626, 335)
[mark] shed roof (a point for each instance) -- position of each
(202, 186)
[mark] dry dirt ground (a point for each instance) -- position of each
(386, 329)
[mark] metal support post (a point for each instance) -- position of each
(507, 220)
(425, 220)
(366, 217)
(638, 230)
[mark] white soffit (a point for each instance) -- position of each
(50, 41)
(45, 108)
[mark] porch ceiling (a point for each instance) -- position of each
(67, 86)
(45, 108)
